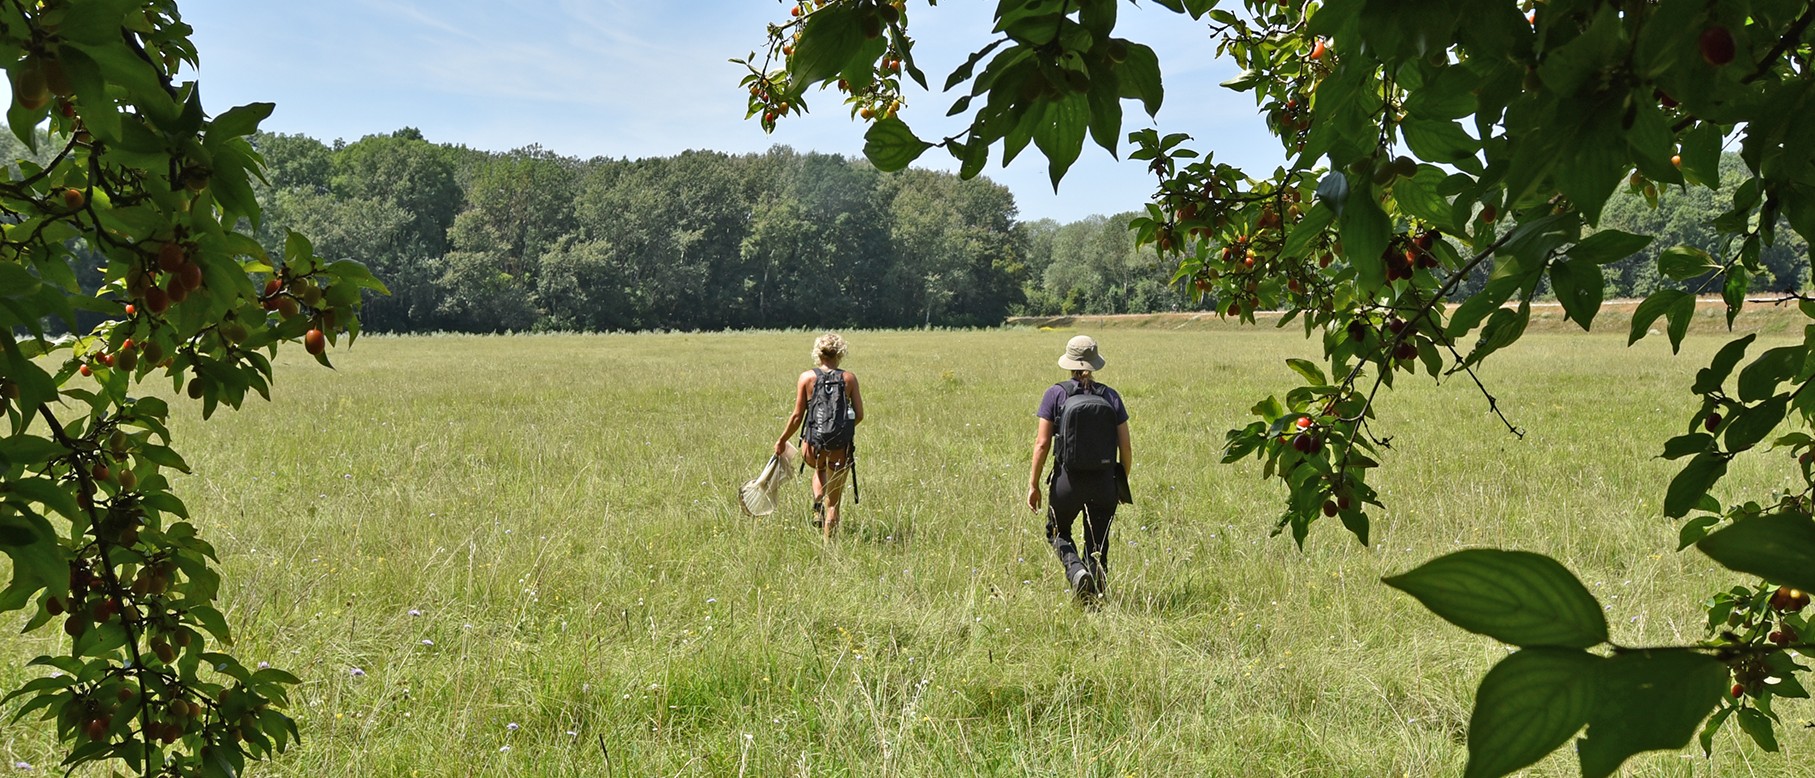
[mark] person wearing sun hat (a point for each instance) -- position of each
(1089, 422)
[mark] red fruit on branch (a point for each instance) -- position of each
(171, 257)
(157, 300)
(1712, 423)
(315, 342)
(1717, 45)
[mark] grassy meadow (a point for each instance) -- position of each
(521, 556)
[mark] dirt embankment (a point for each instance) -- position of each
(1614, 318)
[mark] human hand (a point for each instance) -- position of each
(1033, 498)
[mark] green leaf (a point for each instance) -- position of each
(1515, 597)
(1694, 530)
(1365, 230)
(1608, 246)
(1709, 379)
(213, 621)
(1060, 133)
(1308, 369)
(48, 493)
(1480, 305)
(1418, 196)
(891, 146)
(240, 120)
(216, 762)
(1701, 154)
(1504, 327)
(30, 450)
(1307, 230)
(829, 38)
(1105, 110)
(1759, 379)
(1677, 304)
(1530, 704)
(1777, 547)
(1685, 262)
(1713, 726)
(1139, 76)
(1438, 140)
(38, 560)
(163, 456)
(1246, 80)
(356, 273)
(1645, 701)
(1686, 444)
(1759, 726)
(1753, 424)
(1579, 287)
(1696, 478)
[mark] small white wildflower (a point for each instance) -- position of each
(357, 673)
(512, 726)
(503, 749)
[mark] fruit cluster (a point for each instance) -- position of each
(772, 93)
(1771, 623)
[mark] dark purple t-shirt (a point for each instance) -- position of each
(1055, 395)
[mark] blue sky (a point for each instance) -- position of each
(588, 78)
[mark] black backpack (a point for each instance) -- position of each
(829, 425)
(1086, 426)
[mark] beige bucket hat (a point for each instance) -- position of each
(1081, 354)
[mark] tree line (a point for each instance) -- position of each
(478, 241)
(524, 240)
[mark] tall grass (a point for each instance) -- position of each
(522, 556)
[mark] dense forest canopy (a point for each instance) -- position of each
(477, 241)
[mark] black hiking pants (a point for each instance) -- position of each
(1094, 495)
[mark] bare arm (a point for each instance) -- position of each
(1042, 448)
(802, 389)
(850, 384)
(1126, 444)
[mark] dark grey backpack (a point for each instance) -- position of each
(1086, 430)
(830, 424)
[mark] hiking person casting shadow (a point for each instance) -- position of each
(827, 409)
(1089, 424)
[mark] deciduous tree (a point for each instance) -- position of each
(132, 226)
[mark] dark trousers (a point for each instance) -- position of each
(1096, 499)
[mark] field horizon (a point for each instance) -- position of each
(521, 555)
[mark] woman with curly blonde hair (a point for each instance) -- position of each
(827, 409)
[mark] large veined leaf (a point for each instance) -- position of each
(1777, 547)
(1646, 701)
(1515, 597)
(1528, 705)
